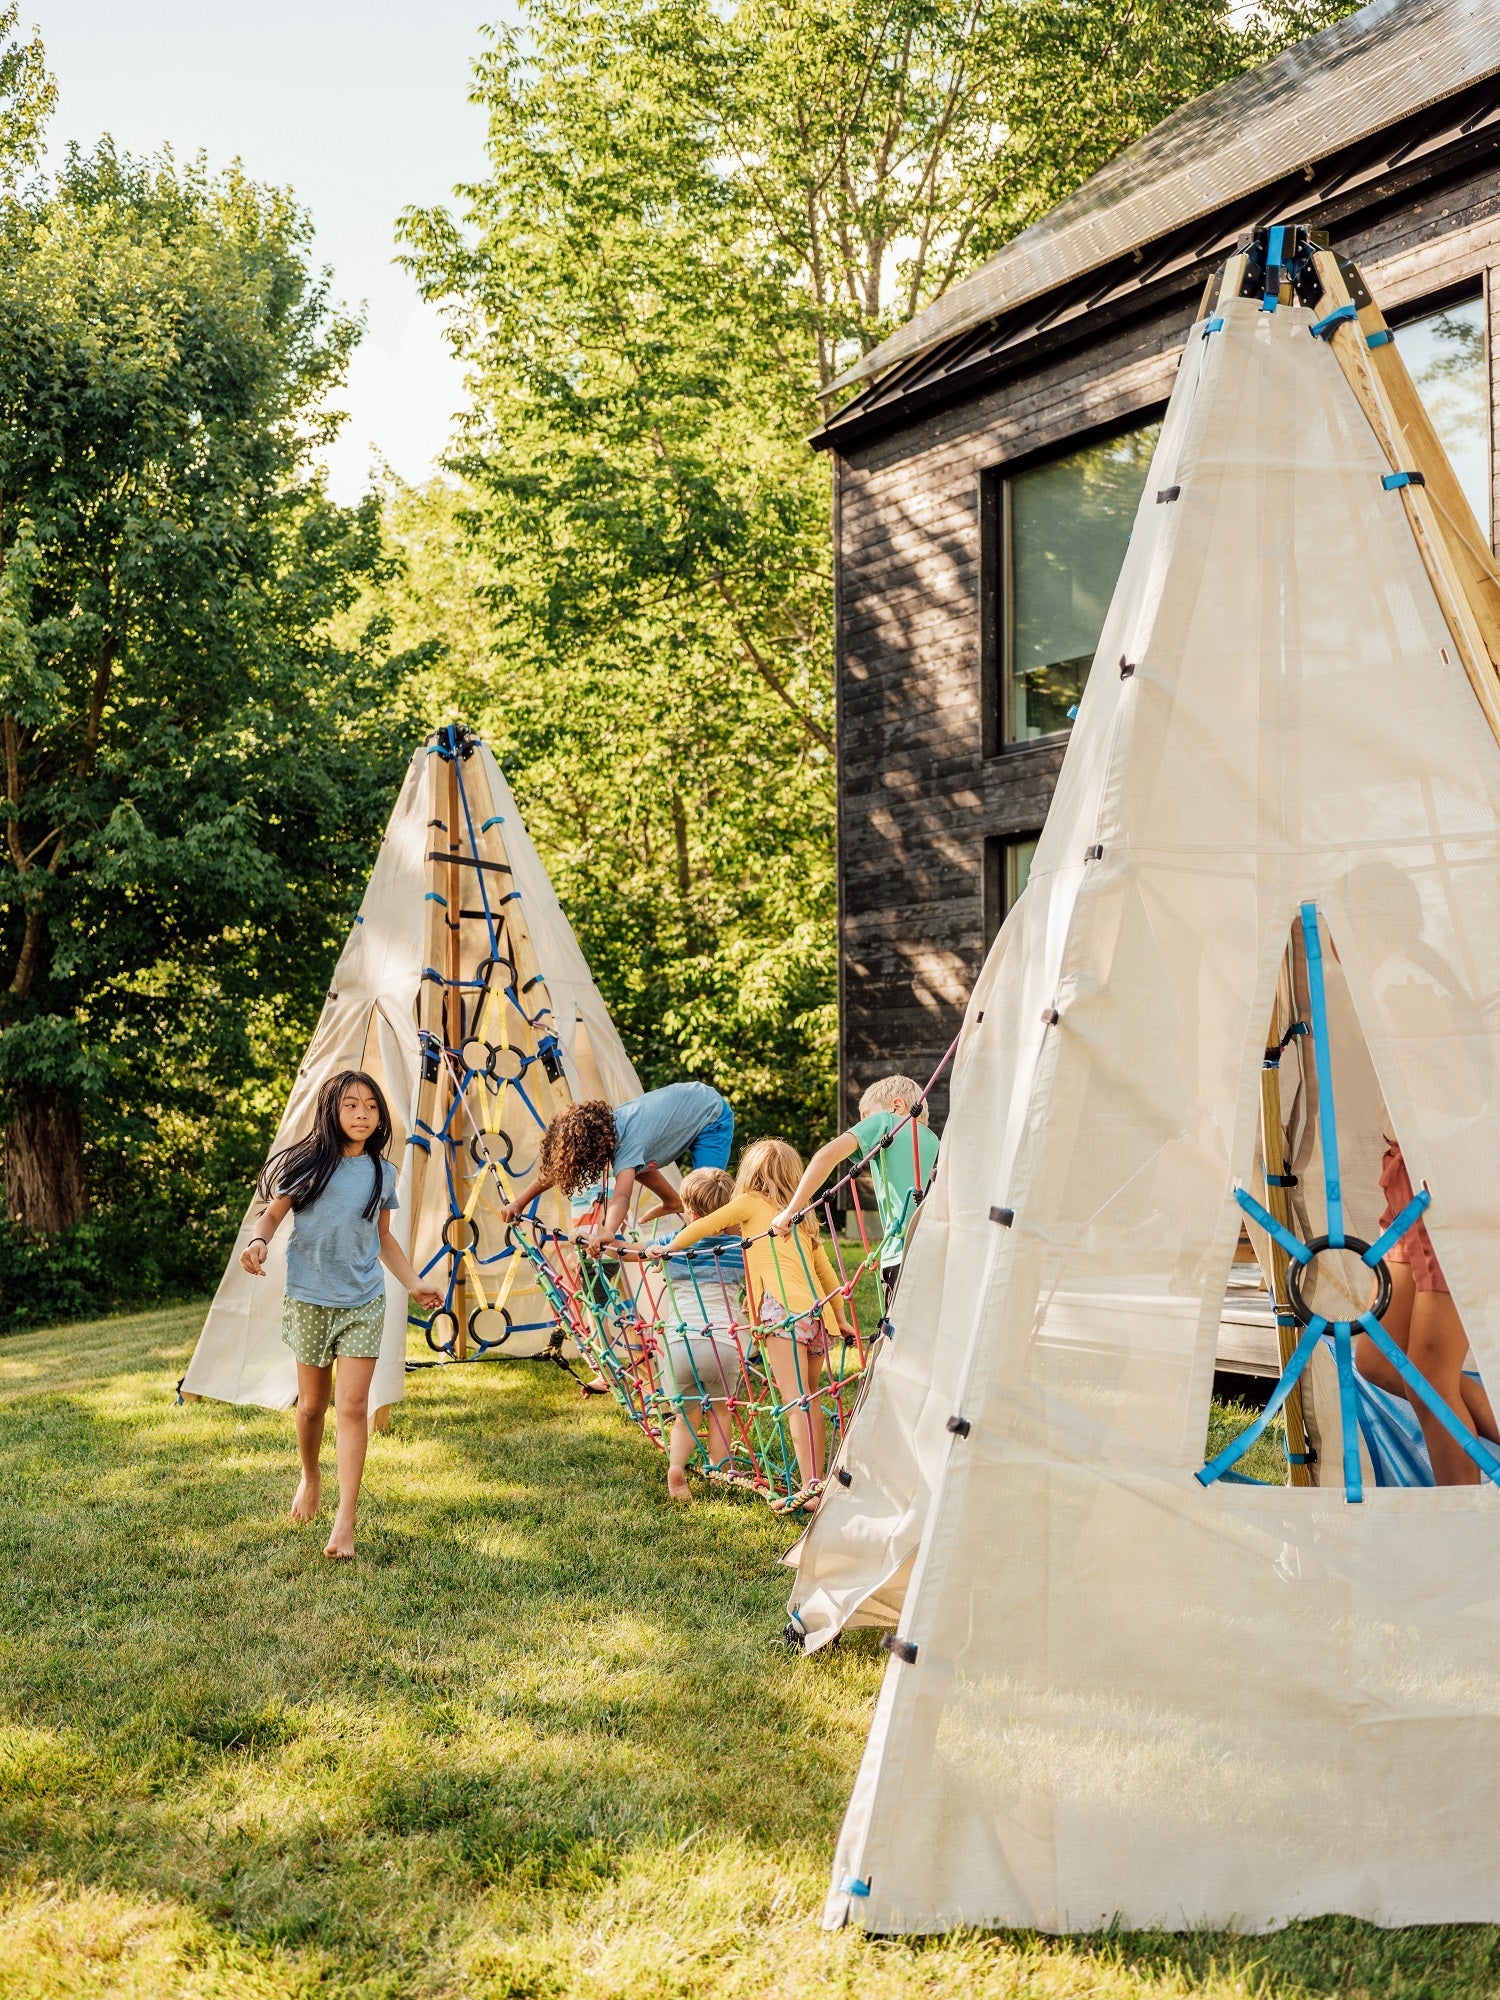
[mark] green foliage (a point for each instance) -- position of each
(539, 1739)
(693, 216)
(195, 773)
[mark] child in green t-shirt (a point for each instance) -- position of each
(903, 1150)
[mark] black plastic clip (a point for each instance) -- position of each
(959, 1426)
(1127, 668)
(903, 1649)
(884, 1327)
(1050, 1017)
(1004, 1216)
(1095, 853)
(1167, 495)
(844, 1477)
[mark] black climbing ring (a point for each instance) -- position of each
(478, 1338)
(480, 1149)
(468, 1223)
(1295, 1272)
(442, 1346)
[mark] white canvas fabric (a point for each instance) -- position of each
(1133, 1696)
(370, 1022)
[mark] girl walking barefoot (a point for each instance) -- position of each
(341, 1188)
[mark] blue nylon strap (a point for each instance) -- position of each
(1332, 1185)
(1214, 325)
(1384, 1244)
(1394, 481)
(1290, 1376)
(432, 896)
(1275, 238)
(855, 1885)
(495, 819)
(1381, 337)
(1323, 329)
(1418, 1386)
(1298, 1252)
(1343, 1354)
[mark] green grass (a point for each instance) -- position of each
(541, 1739)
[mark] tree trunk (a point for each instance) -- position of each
(44, 1165)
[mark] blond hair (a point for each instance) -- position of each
(705, 1189)
(772, 1168)
(882, 1096)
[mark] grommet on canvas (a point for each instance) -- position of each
(1004, 1216)
(903, 1649)
(843, 1476)
(959, 1426)
(1167, 495)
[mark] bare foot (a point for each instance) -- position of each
(677, 1486)
(341, 1542)
(306, 1499)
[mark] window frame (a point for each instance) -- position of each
(996, 576)
(1462, 292)
(999, 894)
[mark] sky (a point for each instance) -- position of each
(360, 106)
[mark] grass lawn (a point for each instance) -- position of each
(540, 1739)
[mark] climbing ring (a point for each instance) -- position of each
(1297, 1271)
(465, 1222)
(491, 1149)
(442, 1346)
(490, 1326)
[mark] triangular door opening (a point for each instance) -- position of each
(1115, 1692)
(463, 991)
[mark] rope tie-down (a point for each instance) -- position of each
(684, 1337)
(1301, 1256)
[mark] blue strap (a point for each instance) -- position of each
(1385, 1243)
(1394, 481)
(1331, 1182)
(1322, 329)
(1236, 1449)
(1073, 713)
(432, 896)
(1298, 1252)
(1419, 1386)
(1214, 325)
(856, 1885)
(1275, 238)
(495, 819)
(1382, 337)
(1343, 1354)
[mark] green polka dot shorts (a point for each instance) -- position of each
(321, 1335)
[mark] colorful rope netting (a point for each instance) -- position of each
(766, 1389)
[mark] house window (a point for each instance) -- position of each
(1059, 534)
(1007, 864)
(1444, 354)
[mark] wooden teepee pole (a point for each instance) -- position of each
(1273, 1153)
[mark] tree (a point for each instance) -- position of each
(192, 779)
(694, 217)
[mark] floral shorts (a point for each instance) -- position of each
(321, 1335)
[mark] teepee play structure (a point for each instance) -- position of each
(463, 991)
(1261, 937)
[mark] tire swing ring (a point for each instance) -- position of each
(1299, 1305)
(442, 1346)
(482, 1322)
(466, 1222)
(504, 1065)
(480, 1150)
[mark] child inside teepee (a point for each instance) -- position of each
(892, 1130)
(341, 1188)
(794, 1295)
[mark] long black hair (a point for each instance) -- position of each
(303, 1169)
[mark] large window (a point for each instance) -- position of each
(1445, 354)
(1061, 530)
(1007, 864)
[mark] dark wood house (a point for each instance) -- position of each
(988, 466)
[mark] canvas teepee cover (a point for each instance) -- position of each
(463, 990)
(1113, 1691)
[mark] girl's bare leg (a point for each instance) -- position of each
(1368, 1359)
(351, 1400)
(1438, 1346)
(796, 1371)
(681, 1450)
(313, 1386)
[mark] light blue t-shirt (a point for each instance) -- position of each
(658, 1128)
(333, 1258)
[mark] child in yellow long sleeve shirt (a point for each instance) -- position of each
(785, 1279)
